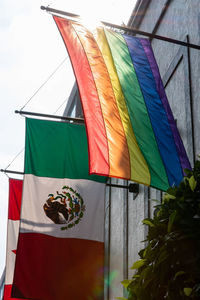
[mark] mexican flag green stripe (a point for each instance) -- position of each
(60, 253)
(64, 147)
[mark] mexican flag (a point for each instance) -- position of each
(60, 253)
(14, 207)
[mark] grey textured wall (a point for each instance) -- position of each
(181, 21)
(180, 69)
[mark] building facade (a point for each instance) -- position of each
(180, 68)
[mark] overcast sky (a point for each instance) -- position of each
(31, 49)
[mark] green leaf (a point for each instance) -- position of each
(126, 282)
(171, 221)
(167, 197)
(121, 298)
(187, 291)
(171, 191)
(145, 252)
(139, 263)
(179, 273)
(187, 171)
(162, 256)
(192, 183)
(148, 222)
(136, 276)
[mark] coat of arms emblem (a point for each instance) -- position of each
(66, 207)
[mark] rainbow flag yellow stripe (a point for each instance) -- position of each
(130, 127)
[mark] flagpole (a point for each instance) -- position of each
(22, 112)
(12, 172)
(132, 187)
(125, 28)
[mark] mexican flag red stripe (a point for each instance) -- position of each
(60, 253)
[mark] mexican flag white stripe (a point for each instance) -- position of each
(60, 253)
(13, 231)
(33, 218)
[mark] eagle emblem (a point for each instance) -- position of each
(66, 207)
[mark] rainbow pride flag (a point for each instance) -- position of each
(130, 127)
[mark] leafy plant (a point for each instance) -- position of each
(169, 266)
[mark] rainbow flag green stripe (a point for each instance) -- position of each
(137, 108)
(130, 128)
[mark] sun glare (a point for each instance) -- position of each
(90, 22)
(92, 12)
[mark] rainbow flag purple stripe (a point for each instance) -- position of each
(130, 127)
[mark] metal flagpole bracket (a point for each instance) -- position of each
(132, 187)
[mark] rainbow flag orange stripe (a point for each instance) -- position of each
(130, 127)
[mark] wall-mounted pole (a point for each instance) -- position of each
(22, 112)
(12, 172)
(132, 187)
(125, 28)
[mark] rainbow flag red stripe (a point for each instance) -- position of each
(130, 127)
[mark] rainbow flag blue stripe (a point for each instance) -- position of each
(130, 127)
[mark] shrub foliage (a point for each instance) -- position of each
(169, 266)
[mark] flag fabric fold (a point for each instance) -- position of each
(60, 253)
(14, 207)
(130, 127)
